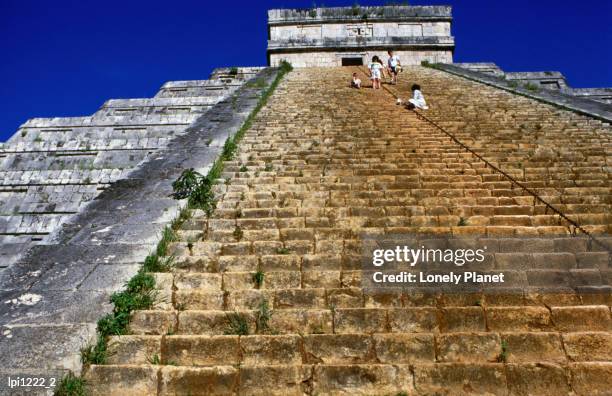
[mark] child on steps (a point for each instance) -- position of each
(355, 82)
(376, 69)
(394, 66)
(417, 100)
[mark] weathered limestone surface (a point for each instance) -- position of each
(53, 296)
(52, 167)
(579, 103)
(552, 80)
(325, 166)
(326, 36)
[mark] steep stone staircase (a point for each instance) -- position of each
(268, 296)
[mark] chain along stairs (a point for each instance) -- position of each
(267, 296)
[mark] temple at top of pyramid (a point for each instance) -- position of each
(346, 36)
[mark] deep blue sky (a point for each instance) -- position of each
(65, 58)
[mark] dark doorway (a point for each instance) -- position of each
(352, 61)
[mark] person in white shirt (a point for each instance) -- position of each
(394, 66)
(376, 69)
(417, 100)
(355, 82)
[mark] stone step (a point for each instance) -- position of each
(382, 313)
(357, 348)
(353, 379)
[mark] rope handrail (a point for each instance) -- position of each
(534, 194)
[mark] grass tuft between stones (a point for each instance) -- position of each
(236, 324)
(70, 385)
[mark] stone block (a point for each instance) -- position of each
(195, 350)
(134, 349)
(311, 321)
(460, 378)
(588, 346)
(211, 322)
(219, 380)
(262, 350)
(582, 318)
(533, 347)
(593, 379)
(299, 298)
(413, 320)
(362, 379)
(275, 380)
(121, 380)
(404, 348)
(518, 319)
(462, 319)
(537, 379)
(198, 300)
(360, 320)
(152, 322)
(338, 348)
(468, 347)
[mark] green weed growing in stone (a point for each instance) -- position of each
(139, 294)
(228, 149)
(184, 215)
(263, 316)
(258, 278)
(238, 234)
(233, 71)
(503, 355)
(283, 250)
(154, 359)
(243, 168)
(154, 263)
(236, 324)
(462, 222)
(168, 236)
(318, 329)
(187, 182)
(531, 87)
(70, 385)
(268, 167)
(95, 354)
